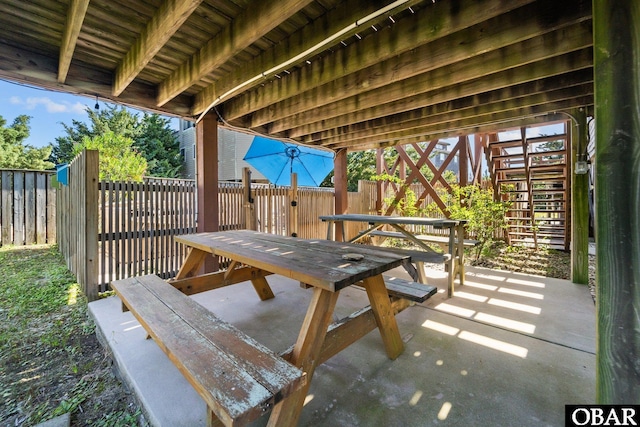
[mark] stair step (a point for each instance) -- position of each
(510, 181)
(548, 190)
(519, 156)
(559, 178)
(540, 228)
(539, 235)
(547, 168)
(506, 144)
(538, 220)
(548, 153)
(510, 170)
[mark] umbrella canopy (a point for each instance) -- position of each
(277, 160)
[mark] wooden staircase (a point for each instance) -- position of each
(533, 174)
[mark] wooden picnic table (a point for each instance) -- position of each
(453, 259)
(319, 264)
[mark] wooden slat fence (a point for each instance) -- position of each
(273, 209)
(138, 223)
(27, 207)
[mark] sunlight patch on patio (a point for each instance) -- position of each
(485, 341)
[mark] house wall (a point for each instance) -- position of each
(232, 147)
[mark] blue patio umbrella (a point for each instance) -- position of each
(277, 160)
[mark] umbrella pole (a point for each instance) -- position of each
(293, 209)
(249, 206)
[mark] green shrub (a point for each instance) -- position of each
(485, 216)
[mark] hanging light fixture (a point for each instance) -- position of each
(97, 106)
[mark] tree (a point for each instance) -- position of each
(119, 160)
(159, 146)
(14, 153)
(361, 165)
(151, 135)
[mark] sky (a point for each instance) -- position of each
(47, 109)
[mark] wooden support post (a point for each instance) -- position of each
(248, 202)
(207, 180)
(463, 160)
(340, 188)
(293, 206)
(379, 170)
(579, 201)
(616, 24)
(477, 157)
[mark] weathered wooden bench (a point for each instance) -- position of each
(406, 289)
(238, 378)
(442, 241)
(420, 256)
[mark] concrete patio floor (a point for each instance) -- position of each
(508, 349)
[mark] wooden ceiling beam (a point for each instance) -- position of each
(289, 112)
(40, 70)
(445, 113)
(532, 93)
(464, 124)
(75, 17)
(168, 18)
(260, 17)
(515, 123)
(303, 40)
(430, 23)
(479, 75)
(430, 57)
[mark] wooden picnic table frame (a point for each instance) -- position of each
(316, 264)
(454, 265)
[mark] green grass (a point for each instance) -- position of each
(50, 360)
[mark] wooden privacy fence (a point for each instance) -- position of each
(27, 207)
(77, 221)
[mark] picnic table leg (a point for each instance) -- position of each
(451, 264)
(191, 265)
(262, 287)
(422, 276)
(306, 353)
(460, 233)
(385, 318)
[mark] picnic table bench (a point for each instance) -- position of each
(238, 378)
(442, 241)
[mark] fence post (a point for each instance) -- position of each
(90, 223)
(77, 221)
(249, 205)
(293, 208)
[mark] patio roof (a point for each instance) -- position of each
(342, 74)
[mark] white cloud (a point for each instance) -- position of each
(50, 105)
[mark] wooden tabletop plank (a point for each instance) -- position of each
(384, 219)
(315, 262)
